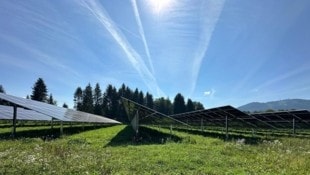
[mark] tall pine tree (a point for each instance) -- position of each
(149, 100)
(2, 89)
(51, 100)
(179, 104)
(98, 100)
(39, 91)
(87, 104)
(78, 99)
(190, 105)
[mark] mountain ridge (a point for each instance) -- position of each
(287, 104)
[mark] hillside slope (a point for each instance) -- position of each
(288, 104)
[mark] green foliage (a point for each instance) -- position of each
(149, 100)
(2, 89)
(98, 100)
(78, 98)
(87, 104)
(108, 103)
(65, 105)
(190, 105)
(179, 104)
(51, 100)
(39, 91)
(163, 105)
(198, 106)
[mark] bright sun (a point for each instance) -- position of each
(160, 6)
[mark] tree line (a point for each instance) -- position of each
(108, 102)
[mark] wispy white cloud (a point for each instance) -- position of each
(209, 93)
(98, 11)
(141, 31)
(211, 11)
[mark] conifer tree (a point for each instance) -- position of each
(51, 100)
(65, 105)
(39, 91)
(190, 105)
(2, 89)
(87, 104)
(179, 104)
(98, 100)
(78, 98)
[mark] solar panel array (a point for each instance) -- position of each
(218, 117)
(6, 113)
(146, 115)
(285, 119)
(52, 111)
(215, 117)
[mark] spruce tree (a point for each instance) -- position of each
(39, 91)
(149, 100)
(87, 104)
(198, 106)
(2, 89)
(65, 105)
(141, 98)
(51, 100)
(179, 104)
(190, 105)
(98, 100)
(78, 98)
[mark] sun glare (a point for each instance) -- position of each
(160, 6)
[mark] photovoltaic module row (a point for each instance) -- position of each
(221, 116)
(52, 111)
(145, 115)
(284, 119)
(6, 113)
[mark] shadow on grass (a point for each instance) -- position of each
(252, 140)
(47, 134)
(146, 136)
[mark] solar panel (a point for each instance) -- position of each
(217, 117)
(145, 115)
(6, 113)
(284, 119)
(62, 114)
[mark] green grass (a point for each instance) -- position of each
(111, 150)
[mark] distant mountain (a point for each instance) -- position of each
(288, 104)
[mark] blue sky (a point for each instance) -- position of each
(214, 51)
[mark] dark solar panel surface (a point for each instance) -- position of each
(6, 113)
(217, 117)
(59, 113)
(284, 119)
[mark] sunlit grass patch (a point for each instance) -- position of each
(92, 152)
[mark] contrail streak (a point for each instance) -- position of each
(211, 16)
(134, 58)
(141, 31)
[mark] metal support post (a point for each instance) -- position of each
(61, 128)
(52, 124)
(14, 120)
(226, 127)
(294, 129)
(201, 124)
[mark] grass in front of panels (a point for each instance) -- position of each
(113, 150)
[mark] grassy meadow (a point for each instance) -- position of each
(111, 150)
